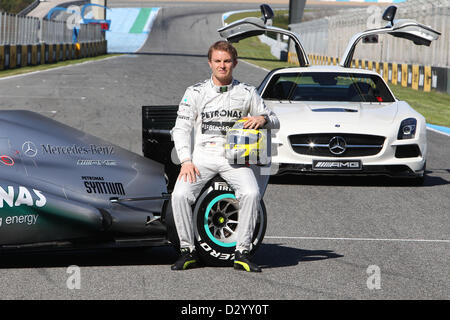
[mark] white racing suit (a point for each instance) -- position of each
(212, 110)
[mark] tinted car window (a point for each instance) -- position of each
(328, 86)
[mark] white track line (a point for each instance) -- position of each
(55, 68)
(437, 131)
(356, 239)
(253, 65)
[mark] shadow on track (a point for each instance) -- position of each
(164, 255)
(268, 256)
(277, 255)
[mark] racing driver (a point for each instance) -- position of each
(212, 107)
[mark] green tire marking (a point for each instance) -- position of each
(208, 209)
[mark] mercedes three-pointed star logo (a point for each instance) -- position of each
(337, 145)
(29, 149)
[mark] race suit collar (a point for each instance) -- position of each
(222, 89)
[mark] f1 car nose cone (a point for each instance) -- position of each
(337, 145)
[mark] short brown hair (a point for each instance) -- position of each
(223, 45)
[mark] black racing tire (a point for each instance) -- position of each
(215, 223)
(212, 251)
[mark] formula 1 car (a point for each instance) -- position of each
(338, 120)
(61, 188)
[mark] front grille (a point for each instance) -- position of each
(356, 145)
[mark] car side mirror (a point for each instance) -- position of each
(389, 14)
(267, 12)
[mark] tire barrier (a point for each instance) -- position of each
(417, 77)
(16, 56)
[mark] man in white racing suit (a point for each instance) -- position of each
(211, 108)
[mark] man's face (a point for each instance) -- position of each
(222, 66)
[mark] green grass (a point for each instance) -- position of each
(434, 106)
(40, 67)
(254, 51)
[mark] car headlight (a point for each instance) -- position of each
(407, 129)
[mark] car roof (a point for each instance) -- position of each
(320, 68)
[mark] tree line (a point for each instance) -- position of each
(14, 6)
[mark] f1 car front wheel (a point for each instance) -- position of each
(216, 221)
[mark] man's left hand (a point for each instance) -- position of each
(254, 122)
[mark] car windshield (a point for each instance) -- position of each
(327, 86)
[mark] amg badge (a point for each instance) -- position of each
(337, 165)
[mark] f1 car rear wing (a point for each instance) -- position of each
(249, 27)
(402, 28)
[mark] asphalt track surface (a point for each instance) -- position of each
(323, 233)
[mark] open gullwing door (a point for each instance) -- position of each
(402, 28)
(251, 26)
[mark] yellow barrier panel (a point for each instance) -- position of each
(404, 75)
(415, 77)
(377, 67)
(370, 65)
(427, 79)
(334, 61)
(77, 50)
(394, 73)
(385, 71)
(294, 58)
(363, 64)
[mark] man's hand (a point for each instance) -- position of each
(189, 172)
(254, 122)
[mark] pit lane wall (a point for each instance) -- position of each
(398, 60)
(26, 41)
